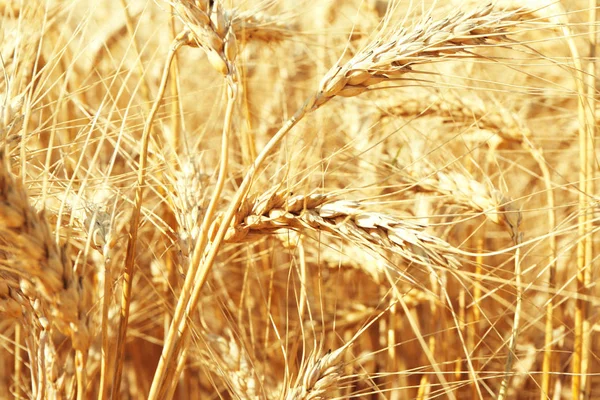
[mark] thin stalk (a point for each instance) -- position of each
(419, 336)
(250, 145)
(293, 353)
(244, 294)
(80, 364)
(33, 371)
(587, 331)
(512, 344)
(272, 307)
(425, 384)
(41, 365)
(462, 316)
(303, 302)
(303, 282)
(474, 330)
(175, 121)
(174, 138)
(135, 220)
(549, 326)
(581, 251)
(103, 390)
(392, 342)
(177, 372)
(145, 88)
(18, 362)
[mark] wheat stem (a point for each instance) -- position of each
(135, 220)
(103, 389)
(145, 88)
(180, 321)
(41, 359)
(475, 330)
(80, 367)
(424, 346)
(552, 257)
(512, 344)
(175, 118)
(17, 361)
(590, 160)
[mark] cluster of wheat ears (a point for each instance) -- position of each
(281, 199)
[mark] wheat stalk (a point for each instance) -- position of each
(210, 30)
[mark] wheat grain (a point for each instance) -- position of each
(12, 118)
(470, 112)
(9, 305)
(227, 359)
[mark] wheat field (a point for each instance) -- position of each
(292, 199)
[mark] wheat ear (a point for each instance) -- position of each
(395, 53)
(278, 211)
(318, 376)
(41, 272)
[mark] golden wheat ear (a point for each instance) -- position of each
(396, 52)
(41, 275)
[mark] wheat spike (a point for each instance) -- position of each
(276, 211)
(395, 52)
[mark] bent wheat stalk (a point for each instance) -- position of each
(391, 55)
(135, 218)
